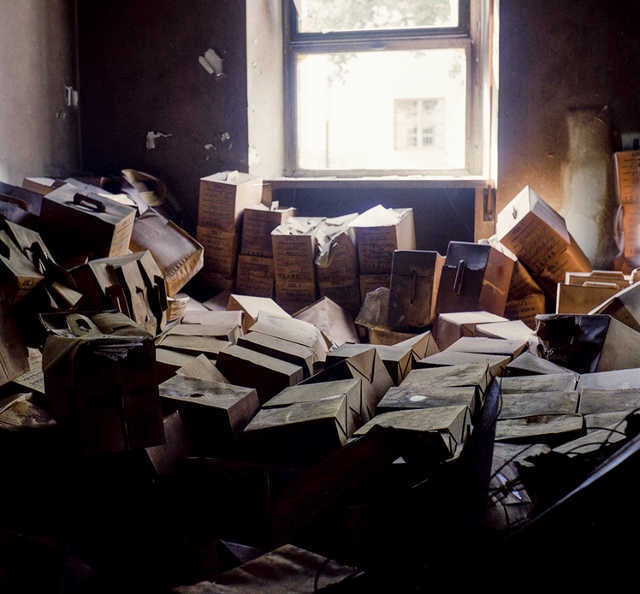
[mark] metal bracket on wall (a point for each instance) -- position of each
(488, 204)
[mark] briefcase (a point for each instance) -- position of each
(415, 277)
(475, 277)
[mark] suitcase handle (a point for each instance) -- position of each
(13, 200)
(82, 326)
(457, 282)
(81, 200)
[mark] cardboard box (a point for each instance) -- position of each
(398, 361)
(337, 263)
(415, 278)
(624, 306)
(255, 276)
(379, 232)
(223, 198)
(100, 226)
(556, 382)
(443, 428)
(366, 366)
(132, 284)
(589, 343)
(216, 281)
(538, 236)
(214, 413)
(220, 250)
(251, 306)
(496, 364)
(452, 326)
(299, 433)
(454, 376)
(626, 165)
(581, 299)
(18, 275)
(279, 348)
(108, 404)
(475, 277)
(267, 375)
(294, 251)
(179, 256)
(371, 282)
(526, 299)
(489, 346)
(334, 322)
(419, 397)
(550, 429)
(257, 225)
(519, 405)
(351, 389)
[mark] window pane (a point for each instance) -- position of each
(382, 110)
(367, 15)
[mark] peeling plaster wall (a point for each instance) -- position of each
(38, 134)
(556, 58)
(140, 73)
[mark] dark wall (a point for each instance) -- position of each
(439, 215)
(139, 72)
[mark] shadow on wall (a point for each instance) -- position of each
(440, 215)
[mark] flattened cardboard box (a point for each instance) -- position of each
(220, 250)
(415, 278)
(371, 282)
(280, 349)
(251, 306)
(223, 198)
(538, 236)
(589, 344)
(267, 375)
(452, 326)
(179, 256)
(214, 413)
(298, 433)
(351, 389)
(369, 368)
(475, 277)
(333, 321)
(379, 232)
(99, 225)
(257, 225)
(255, 276)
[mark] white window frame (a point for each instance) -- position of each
(474, 34)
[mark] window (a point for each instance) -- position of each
(379, 87)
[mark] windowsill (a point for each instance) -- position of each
(392, 181)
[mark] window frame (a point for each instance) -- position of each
(460, 37)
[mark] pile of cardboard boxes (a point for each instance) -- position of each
(385, 394)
